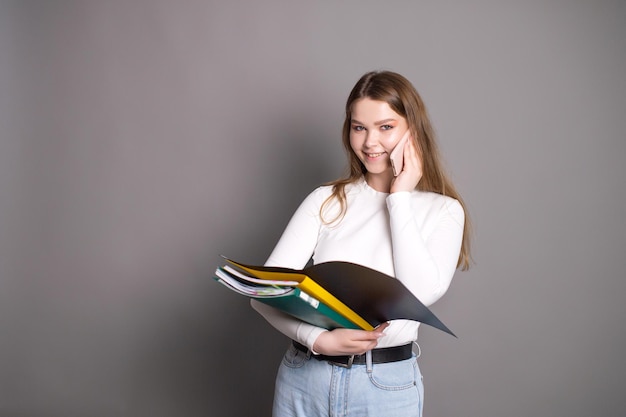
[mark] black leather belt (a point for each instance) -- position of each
(381, 355)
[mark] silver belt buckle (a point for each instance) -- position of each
(345, 365)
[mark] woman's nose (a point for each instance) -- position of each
(371, 138)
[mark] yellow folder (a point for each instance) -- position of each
(310, 287)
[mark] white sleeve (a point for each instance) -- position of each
(425, 264)
(297, 243)
(291, 327)
(294, 250)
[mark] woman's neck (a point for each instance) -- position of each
(380, 182)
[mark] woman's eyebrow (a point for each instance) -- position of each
(378, 123)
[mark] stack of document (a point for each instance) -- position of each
(329, 295)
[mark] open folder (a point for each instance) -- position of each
(330, 294)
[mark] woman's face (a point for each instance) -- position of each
(374, 131)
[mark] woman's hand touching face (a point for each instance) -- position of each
(411, 173)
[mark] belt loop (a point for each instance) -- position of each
(419, 350)
(347, 365)
(368, 360)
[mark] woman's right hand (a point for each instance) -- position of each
(347, 341)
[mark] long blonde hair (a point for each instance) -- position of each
(403, 99)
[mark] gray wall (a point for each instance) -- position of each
(140, 140)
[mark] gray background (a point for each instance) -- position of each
(140, 140)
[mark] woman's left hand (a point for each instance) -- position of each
(411, 173)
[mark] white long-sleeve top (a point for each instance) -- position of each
(413, 236)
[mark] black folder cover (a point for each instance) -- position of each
(375, 296)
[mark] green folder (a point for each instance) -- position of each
(301, 305)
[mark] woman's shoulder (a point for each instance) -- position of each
(321, 191)
(326, 190)
(317, 196)
(321, 197)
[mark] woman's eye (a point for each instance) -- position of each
(386, 127)
(357, 128)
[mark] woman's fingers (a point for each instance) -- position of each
(348, 341)
(412, 171)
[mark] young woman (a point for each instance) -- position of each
(411, 226)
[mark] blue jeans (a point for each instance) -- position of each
(309, 387)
